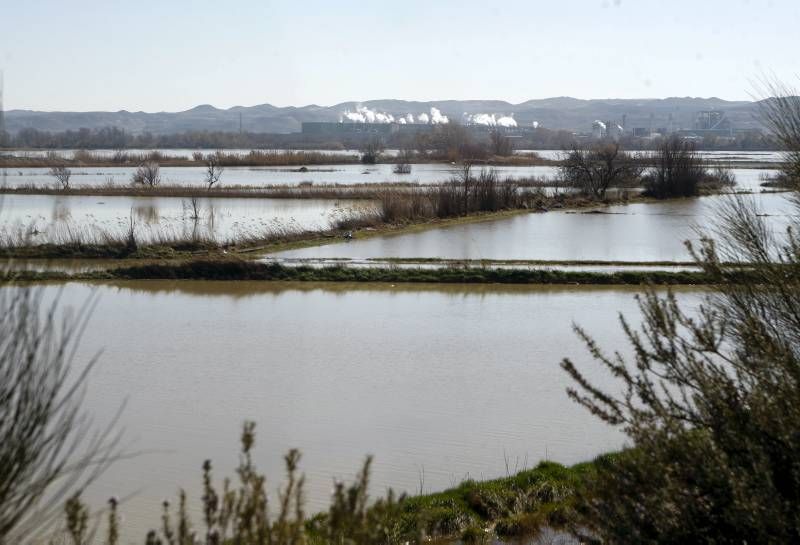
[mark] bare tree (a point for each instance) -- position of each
(404, 159)
(47, 446)
(371, 151)
(148, 174)
(62, 175)
(599, 167)
(780, 112)
(213, 170)
(500, 144)
(678, 170)
(192, 208)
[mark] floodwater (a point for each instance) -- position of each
(184, 153)
(634, 232)
(438, 383)
(51, 216)
(732, 157)
(427, 173)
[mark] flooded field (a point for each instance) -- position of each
(334, 370)
(426, 173)
(719, 156)
(47, 216)
(429, 173)
(635, 232)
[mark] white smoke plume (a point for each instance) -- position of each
(490, 120)
(437, 118)
(535, 124)
(599, 125)
(365, 115)
(506, 121)
(362, 114)
(481, 119)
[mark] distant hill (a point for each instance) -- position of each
(557, 113)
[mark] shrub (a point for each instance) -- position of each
(148, 174)
(678, 170)
(594, 170)
(710, 402)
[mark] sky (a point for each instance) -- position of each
(173, 55)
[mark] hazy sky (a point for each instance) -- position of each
(172, 55)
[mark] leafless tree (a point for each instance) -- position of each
(780, 112)
(148, 174)
(371, 151)
(62, 175)
(595, 169)
(48, 448)
(500, 144)
(192, 208)
(213, 170)
(404, 159)
(678, 170)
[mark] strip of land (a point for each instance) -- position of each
(237, 269)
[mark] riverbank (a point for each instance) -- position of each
(522, 505)
(242, 270)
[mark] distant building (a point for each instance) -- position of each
(709, 123)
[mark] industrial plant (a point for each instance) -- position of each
(363, 122)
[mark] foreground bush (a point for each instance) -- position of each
(241, 510)
(710, 402)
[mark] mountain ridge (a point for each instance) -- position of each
(567, 113)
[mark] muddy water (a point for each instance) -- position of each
(438, 383)
(258, 176)
(430, 173)
(732, 157)
(635, 232)
(50, 217)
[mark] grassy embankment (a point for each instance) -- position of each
(517, 506)
(237, 270)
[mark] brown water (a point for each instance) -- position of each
(423, 173)
(635, 232)
(51, 216)
(439, 383)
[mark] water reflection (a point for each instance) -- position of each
(146, 213)
(635, 232)
(53, 217)
(449, 379)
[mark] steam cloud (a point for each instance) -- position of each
(362, 114)
(490, 120)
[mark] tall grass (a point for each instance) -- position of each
(68, 239)
(463, 194)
